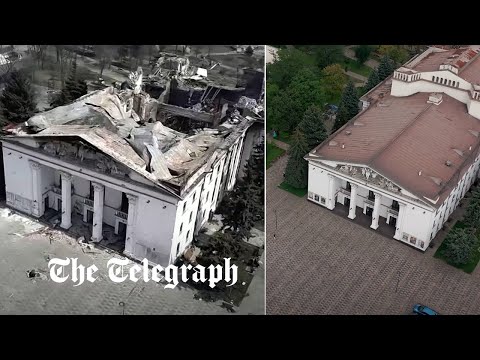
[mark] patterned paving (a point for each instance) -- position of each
(320, 263)
(21, 295)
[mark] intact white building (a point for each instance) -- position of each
(412, 152)
(98, 162)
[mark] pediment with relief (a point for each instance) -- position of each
(369, 175)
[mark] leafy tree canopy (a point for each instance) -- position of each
(362, 53)
(290, 62)
(335, 80)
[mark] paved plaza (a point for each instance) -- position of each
(321, 263)
(25, 244)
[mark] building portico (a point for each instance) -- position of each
(362, 202)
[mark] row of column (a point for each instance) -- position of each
(376, 206)
(99, 190)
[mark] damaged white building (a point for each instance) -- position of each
(105, 160)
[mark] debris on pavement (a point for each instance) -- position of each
(34, 273)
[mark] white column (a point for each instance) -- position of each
(66, 200)
(132, 213)
(353, 202)
(37, 209)
(98, 193)
(398, 226)
(331, 192)
(376, 211)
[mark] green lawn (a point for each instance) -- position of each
(356, 67)
(273, 152)
(468, 267)
(293, 190)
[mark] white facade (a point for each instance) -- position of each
(413, 221)
(158, 224)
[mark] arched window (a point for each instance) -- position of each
(449, 82)
(188, 235)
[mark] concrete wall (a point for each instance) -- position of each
(153, 230)
(18, 174)
(186, 217)
(417, 219)
(252, 137)
(425, 84)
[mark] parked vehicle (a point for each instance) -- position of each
(424, 310)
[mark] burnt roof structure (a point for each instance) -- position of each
(104, 120)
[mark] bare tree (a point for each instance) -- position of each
(39, 53)
(63, 57)
(105, 55)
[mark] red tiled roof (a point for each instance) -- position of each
(401, 136)
(465, 59)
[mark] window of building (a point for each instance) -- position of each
(188, 235)
(405, 237)
(194, 197)
(322, 200)
(203, 216)
(184, 207)
(395, 205)
(310, 195)
(178, 249)
(317, 198)
(191, 215)
(349, 186)
(413, 240)
(181, 227)
(371, 195)
(124, 206)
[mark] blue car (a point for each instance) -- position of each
(423, 310)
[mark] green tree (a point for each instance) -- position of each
(373, 80)
(459, 246)
(334, 80)
(296, 172)
(274, 106)
(244, 205)
(472, 214)
(73, 89)
(348, 107)
(397, 53)
(362, 53)
(385, 68)
(17, 100)
(305, 90)
(327, 54)
(313, 126)
(290, 61)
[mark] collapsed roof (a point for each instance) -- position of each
(104, 120)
